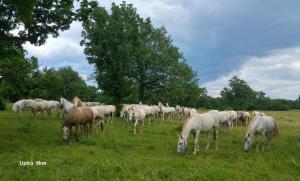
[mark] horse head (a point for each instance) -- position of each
(65, 127)
(181, 145)
(247, 141)
(77, 102)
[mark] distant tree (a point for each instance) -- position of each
(72, 84)
(238, 95)
(15, 71)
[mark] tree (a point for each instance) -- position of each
(72, 84)
(15, 71)
(239, 95)
(134, 61)
(34, 20)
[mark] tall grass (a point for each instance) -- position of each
(117, 154)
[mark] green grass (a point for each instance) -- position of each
(117, 154)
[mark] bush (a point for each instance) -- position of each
(2, 103)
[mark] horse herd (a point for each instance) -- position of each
(82, 115)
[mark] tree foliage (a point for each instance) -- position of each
(34, 20)
(135, 61)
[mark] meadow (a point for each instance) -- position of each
(117, 154)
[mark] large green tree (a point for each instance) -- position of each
(134, 61)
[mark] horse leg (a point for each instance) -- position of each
(256, 141)
(98, 124)
(102, 124)
(76, 133)
(70, 128)
(262, 141)
(208, 140)
(142, 126)
(216, 138)
(149, 120)
(134, 126)
(268, 135)
(196, 149)
(91, 122)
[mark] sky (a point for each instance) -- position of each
(257, 40)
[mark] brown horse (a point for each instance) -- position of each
(78, 103)
(78, 116)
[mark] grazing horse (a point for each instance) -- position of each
(165, 110)
(137, 114)
(50, 104)
(77, 116)
(233, 118)
(78, 103)
(35, 106)
(196, 124)
(260, 125)
(98, 116)
(18, 106)
(66, 106)
(244, 117)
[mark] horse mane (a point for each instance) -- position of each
(250, 125)
(185, 122)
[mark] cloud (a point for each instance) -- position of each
(276, 74)
(64, 50)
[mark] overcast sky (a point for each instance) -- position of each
(257, 40)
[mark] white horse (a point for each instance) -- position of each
(98, 116)
(50, 104)
(149, 111)
(66, 105)
(243, 117)
(224, 118)
(137, 114)
(196, 124)
(260, 125)
(257, 113)
(233, 117)
(109, 110)
(90, 104)
(35, 106)
(186, 112)
(165, 110)
(18, 106)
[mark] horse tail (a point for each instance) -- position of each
(275, 131)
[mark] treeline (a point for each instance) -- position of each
(240, 96)
(27, 80)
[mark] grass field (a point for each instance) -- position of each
(117, 154)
